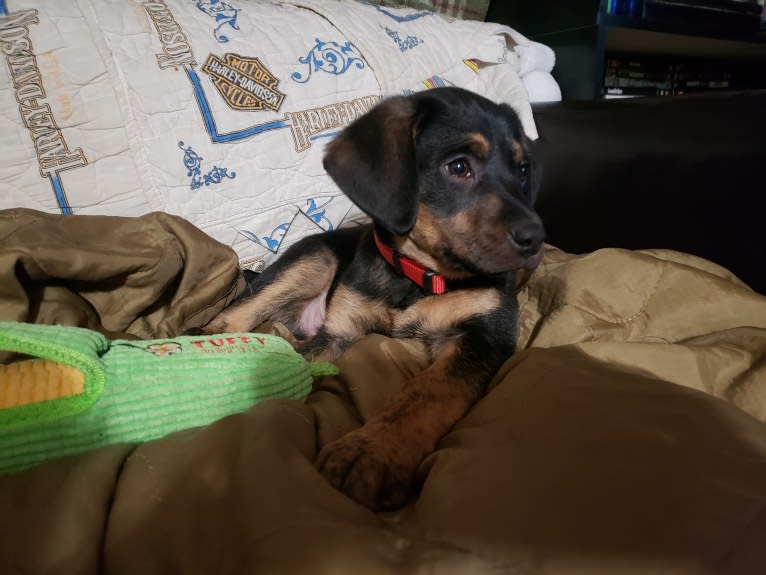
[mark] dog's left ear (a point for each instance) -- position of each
(373, 162)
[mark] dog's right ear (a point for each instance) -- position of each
(373, 162)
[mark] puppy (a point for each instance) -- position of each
(449, 180)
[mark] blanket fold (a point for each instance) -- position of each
(626, 435)
(152, 276)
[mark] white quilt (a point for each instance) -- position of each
(217, 111)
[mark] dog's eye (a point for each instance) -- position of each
(524, 169)
(460, 168)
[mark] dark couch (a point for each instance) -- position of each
(686, 173)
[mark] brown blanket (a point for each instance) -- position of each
(625, 437)
(126, 277)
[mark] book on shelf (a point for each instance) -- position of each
(618, 73)
(738, 17)
(734, 17)
(636, 91)
(629, 75)
(632, 8)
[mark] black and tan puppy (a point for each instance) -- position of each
(449, 180)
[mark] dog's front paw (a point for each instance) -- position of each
(370, 468)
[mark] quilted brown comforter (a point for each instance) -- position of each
(626, 436)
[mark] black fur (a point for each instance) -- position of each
(449, 179)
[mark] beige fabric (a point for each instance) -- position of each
(669, 315)
(626, 437)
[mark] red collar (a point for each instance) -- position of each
(429, 280)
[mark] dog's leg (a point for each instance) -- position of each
(376, 464)
(292, 292)
(350, 315)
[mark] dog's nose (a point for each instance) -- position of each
(527, 237)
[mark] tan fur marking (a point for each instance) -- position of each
(437, 314)
(423, 243)
(302, 281)
(479, 145)
(466, 223)
(352, 315)
(426, 231)
(426, 240)
(517, 149)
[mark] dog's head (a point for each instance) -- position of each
(450, 175)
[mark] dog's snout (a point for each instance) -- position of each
(527, 237)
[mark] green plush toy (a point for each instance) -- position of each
(73, 390)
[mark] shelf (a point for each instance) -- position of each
(583, 36)
(645, 41)
(699, 28)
